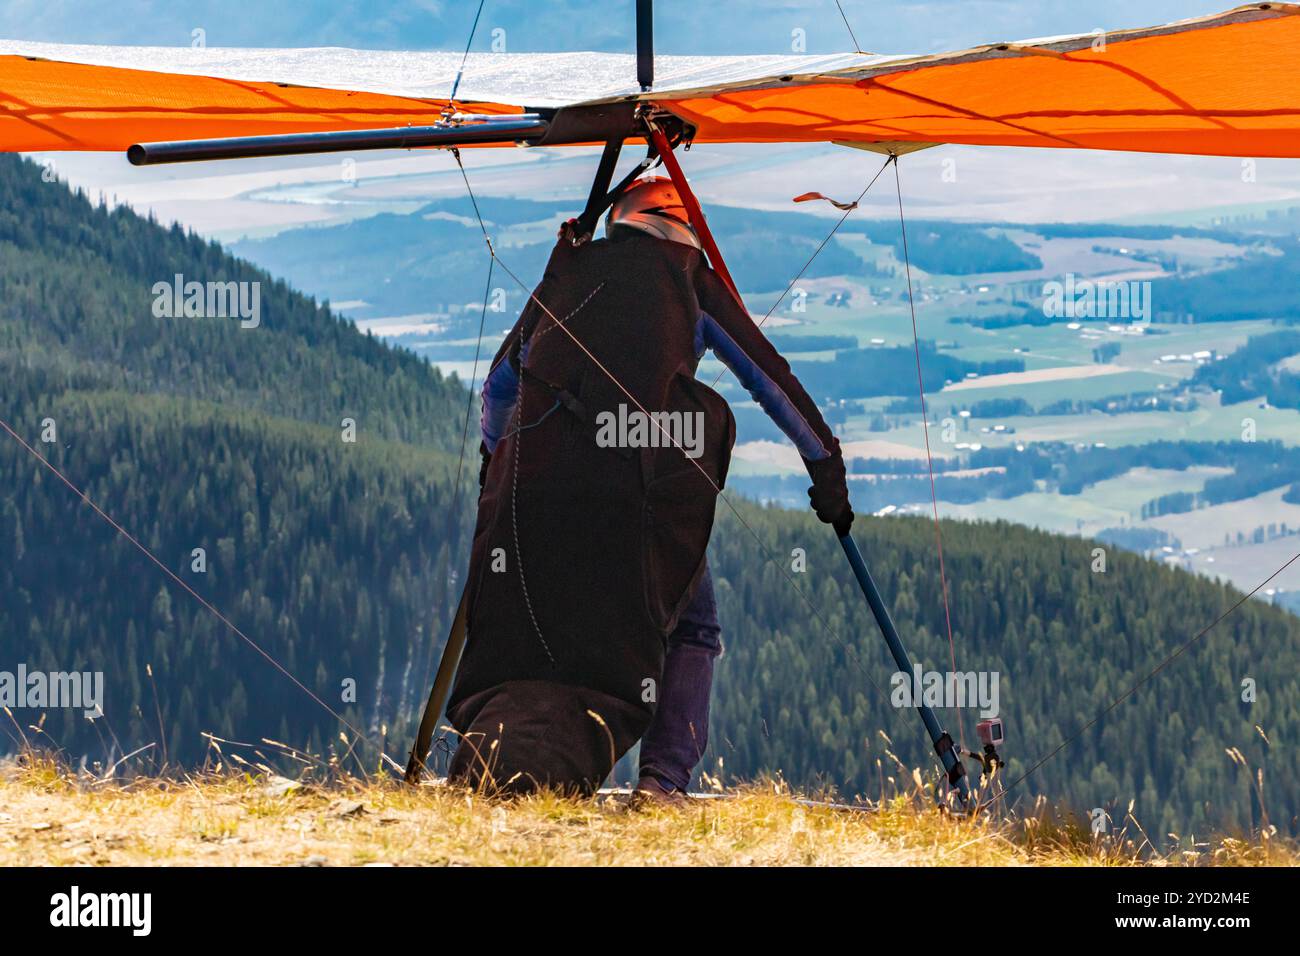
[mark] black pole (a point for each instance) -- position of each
(645, 44)
(604, 174)
(507, 129)
(942, 740)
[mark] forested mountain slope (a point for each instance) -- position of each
(78, 295)
(337, 556)
(341, 559)
(1065, 640)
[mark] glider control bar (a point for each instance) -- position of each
(943, 744)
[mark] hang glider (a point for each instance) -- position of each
(1217, 85)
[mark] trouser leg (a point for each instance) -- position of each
(679, 732)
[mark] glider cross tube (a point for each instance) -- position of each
(573, 125)
(525, 128)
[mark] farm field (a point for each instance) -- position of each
(1012, 379)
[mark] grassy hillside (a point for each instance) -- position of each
(342, 560)
(54, 817)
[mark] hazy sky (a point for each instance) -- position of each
(682, 26)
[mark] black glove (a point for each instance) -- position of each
(829, 493)
(572, 231)
(483, 469)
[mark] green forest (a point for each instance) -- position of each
(300, 477)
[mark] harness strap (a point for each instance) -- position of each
(572, 404)
(693, 210)
(562, 395)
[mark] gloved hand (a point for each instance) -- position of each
(829, 493)
(483, 469)
(571, 231)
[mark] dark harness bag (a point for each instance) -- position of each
(587, 550)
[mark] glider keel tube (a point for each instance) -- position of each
(943, 743)
(527, 128)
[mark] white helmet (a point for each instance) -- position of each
(652, 205)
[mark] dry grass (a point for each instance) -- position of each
(51, 815)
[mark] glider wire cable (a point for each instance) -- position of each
(193, 593)
(557, 323)
(464, 435)
(857, 48)
(451, 101)
(1178, 652)
(929, 458)
(478, 342)
(816, 252)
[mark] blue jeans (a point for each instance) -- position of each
(679, 732)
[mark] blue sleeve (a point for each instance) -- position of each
(500, 392)
(762, 388)
(501, 386)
